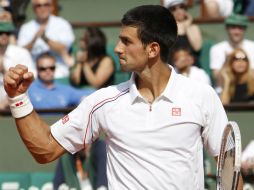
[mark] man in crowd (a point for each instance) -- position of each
(183, 61)
(48, 33)
(46, 93)
(10, 56)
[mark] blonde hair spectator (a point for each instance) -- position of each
(237, 77)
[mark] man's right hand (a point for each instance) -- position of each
(17, 80)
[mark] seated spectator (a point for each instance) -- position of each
(3, 98)
(84, 170)
(237, 78)
(189, 34)
(218, 8)
(10, 56)
(45, 93)
(236, 26)
(248, 159)
(183, 61)
(5, 11)
(93, 66)
(249, 9)
(48, 33)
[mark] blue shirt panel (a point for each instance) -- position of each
(60, 96)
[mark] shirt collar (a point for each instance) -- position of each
(134, 93)
(170, 90)
(7, 51)
(168, 93)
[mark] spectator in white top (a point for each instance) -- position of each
(248, 158)
(183, 61)
(10, 56)
(48, 33)
(236, 26)
(218, 8)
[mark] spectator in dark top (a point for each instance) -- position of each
(189, 34)
(93, 66)
(237, 77)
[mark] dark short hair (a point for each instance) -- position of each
(96, 43)
(46, 54)
(178, 48)
(155, 24)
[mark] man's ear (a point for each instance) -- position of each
(153, 50)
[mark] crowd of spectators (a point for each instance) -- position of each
(45, 46)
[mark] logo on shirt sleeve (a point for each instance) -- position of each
(65, 119)
(176, 112)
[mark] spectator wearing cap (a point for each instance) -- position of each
(48, 32)
(10, 54)
(236, 26)
(189, 34)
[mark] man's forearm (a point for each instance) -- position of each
(37, 137)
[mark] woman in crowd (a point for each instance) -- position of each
(93, 67)
(188, 33)
(237, 78)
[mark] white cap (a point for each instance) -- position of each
(170, 3)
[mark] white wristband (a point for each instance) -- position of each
(20, 106)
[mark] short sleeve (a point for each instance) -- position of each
(215, 122)
(76, 129)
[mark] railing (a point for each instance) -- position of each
(232, 107)
(197, 20)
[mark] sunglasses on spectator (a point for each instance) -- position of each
(6, 33)
(180, 6)
(240, 56)
(39, 5)
(52, 68)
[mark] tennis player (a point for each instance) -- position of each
(155, 124)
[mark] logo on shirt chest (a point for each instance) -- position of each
(176, 111)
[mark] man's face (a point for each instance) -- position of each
(236, 33)
(4, 38)
(133, 56)
(46, 69)
(42, 9)
(182, 60)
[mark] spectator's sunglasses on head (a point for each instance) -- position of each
(179, 6)
(240, 56)
(6, 33)
(40, 5)
(51, 68)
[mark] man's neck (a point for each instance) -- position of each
(152, 82)
(42, 21)
(48, 84)
(3, 49)
(236, 44)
